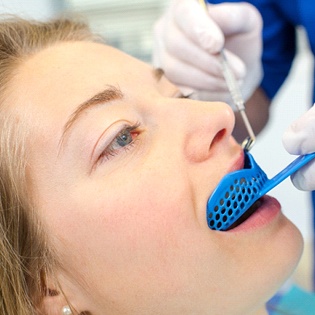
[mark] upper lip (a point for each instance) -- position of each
(238, 163)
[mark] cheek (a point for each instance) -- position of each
(125, 233)
(124, 223)
(145, 216)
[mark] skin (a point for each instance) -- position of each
(129, 229)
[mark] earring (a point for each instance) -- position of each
(66, 310)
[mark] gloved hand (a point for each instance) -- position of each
(299, 138)
(187, 41)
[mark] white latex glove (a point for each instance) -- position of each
(187, 41)
(299, 138)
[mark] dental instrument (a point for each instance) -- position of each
(236, 94)
(238, 192)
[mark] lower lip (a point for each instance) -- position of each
(264, 215)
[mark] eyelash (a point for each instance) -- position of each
(188, 96)
(110, 151)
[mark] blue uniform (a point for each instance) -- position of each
(279, 38)
(280, 19)
(295, 301)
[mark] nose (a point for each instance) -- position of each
(209, 129)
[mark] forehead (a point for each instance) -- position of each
(51, 83)
(66, 68)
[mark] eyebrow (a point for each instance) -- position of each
(107, 95)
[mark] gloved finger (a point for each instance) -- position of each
(194, 21)
(214, 96)
(188, 52)
(304, 179)
(234, 18)
(169, 40)
(193, 55)
(181, 73)
(187, 44)
(299, 137)
(236, 64)
(169, 51)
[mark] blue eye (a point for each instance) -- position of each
(124, 138)
(123, 141)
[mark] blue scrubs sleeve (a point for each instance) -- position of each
(279, 43)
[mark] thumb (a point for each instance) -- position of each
(299, 138)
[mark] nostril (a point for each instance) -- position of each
(202, 145)
(218, 137)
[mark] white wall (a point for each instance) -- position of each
(38, 9)
(126, 25)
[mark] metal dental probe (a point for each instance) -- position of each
(236, 95)
(238, 100)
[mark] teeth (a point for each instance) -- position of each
(246, 214)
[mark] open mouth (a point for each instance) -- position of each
(252, 209)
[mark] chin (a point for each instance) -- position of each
(277, 260)
(287, 252)
(284, 255)
(292, 245)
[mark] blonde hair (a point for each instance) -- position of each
(24, 256)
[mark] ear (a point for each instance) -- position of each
(53, 300)
(60, 291)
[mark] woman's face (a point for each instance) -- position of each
(121, 169)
